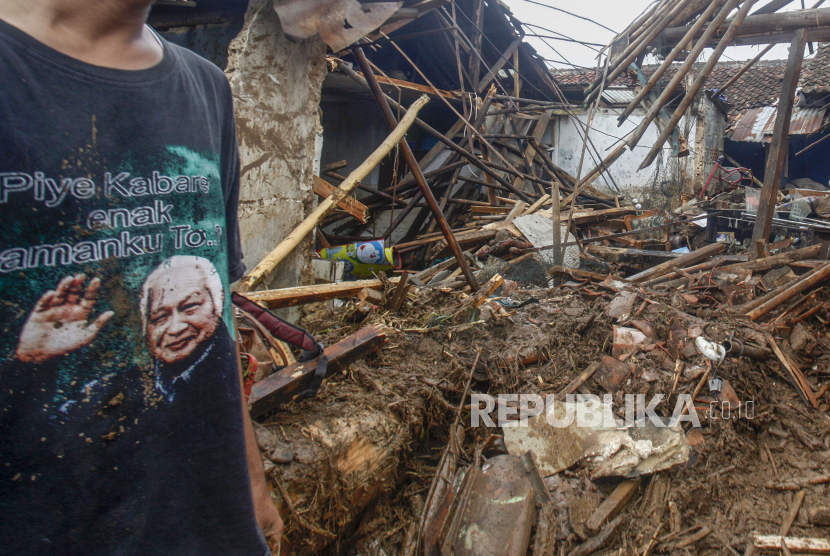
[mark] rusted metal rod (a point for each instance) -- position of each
(809, 280)
(416, 170)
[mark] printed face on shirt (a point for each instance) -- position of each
(182, 309)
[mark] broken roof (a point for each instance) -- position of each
(815, 77)
(757, 88)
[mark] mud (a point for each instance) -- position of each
(418, 377)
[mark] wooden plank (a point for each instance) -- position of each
(581, 218)
(490, 210)
(472, 302)
(573, 272)
(544, 199)
(466, 241)
(794, 544)
(300, 295)
(796, 377)
(349, 204)
(612, 505)
(280, 387)
(578, 381)
(472, 232)
(517, 210)
(684, 260)
(779, 146)
(415, 87)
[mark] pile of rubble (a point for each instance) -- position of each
(397, 454)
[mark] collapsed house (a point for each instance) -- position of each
(471, 226)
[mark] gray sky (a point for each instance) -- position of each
(614, 14)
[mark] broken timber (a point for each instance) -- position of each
(301, 295)
(270, 262)
(417, 173)
(689, 258)
(280, 387)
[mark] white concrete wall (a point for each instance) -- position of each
(276, 85)
(657, 186)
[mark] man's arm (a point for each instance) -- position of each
(266, 513)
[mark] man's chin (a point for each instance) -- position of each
(175, 355)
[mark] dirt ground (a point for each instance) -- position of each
(418, 377)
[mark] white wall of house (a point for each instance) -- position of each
(658, 186)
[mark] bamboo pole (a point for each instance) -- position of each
(664, 97)
(807, 281)
(275, 257)
(417, 173)
(639, 46)
(744, 69)
(655, 78)
(698, 84)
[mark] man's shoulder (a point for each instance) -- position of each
(197, 66)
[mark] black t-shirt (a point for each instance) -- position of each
(121, 425)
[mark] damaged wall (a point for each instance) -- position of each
(276, 86)
(656, 187)
(709, 143)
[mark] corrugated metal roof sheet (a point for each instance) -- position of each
(758, 123)
(619, 96)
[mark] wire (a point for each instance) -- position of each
(572, 14)
(588, 44)
(566, 63)
(562, 35)
(509, 63)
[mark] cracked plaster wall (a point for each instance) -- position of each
(276, 86)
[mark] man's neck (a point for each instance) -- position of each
(108, 33)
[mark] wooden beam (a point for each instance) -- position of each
(780, 140)
(301, 295)
(287, 245)
(498, 65)
(767, 23)
(614, 504)
(684, 260)
(280, 387)
(349, 204)
(794, 545)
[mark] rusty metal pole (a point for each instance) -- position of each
(417, 173)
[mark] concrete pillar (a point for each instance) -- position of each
(276, 86)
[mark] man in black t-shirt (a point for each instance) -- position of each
(122, 423)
